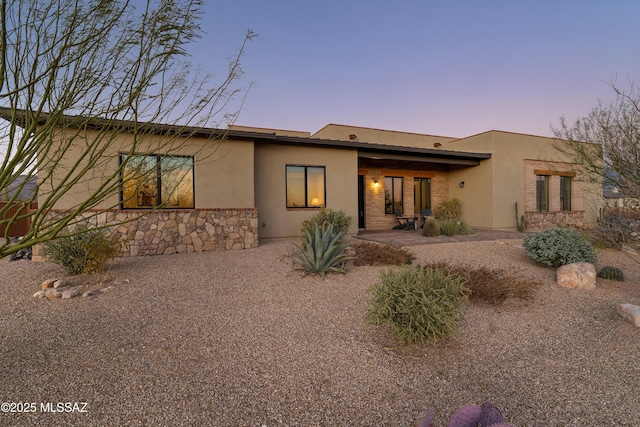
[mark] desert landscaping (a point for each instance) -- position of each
(241, 338)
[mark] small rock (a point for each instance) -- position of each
(90, 294)
(124, 282)
(61, 283)
(53, 293)
(580, 275)
(40, 294)
(107, 289)
(48, 283)
(630, 312)
(71, 293)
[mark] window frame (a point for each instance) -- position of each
(158, 181)
(566, 184)
(417, 205)
(306, 186)
(542, 197)
(393, 196)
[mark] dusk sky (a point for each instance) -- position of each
(452, 68)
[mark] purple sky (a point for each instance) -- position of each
(452, 68)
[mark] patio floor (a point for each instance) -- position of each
(415, 237)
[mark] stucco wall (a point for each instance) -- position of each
(492, 189)
(223, 171)
(380, 136)
(274, 218)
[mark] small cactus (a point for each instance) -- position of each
(611, 273)
(490, 415)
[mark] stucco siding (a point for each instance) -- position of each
(271, 160)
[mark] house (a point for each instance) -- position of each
(263, 183)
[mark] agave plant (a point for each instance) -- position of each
(321, 252)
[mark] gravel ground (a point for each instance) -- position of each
(240, 339)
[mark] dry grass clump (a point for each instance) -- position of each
(491, 285)
(367, 253)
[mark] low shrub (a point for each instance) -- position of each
(448, 209)
(367, 253)
(611, 273)
(321, 251)
(556, 246)
(491, 285)
(420, 304)
(450, 227)
(431, 228)
(340, 221)
(87, 252)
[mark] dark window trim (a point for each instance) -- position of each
(539, 196)
(393, 195)
(159, 158)
(306, 189)
(421, 180)
(566, 183)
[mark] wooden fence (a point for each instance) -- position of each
(18, 228)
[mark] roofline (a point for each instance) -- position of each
(258, 137)
(384, 130)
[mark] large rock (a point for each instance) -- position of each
(630, 312)
(579, 275)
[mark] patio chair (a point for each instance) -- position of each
(425, 213)
(405, 222)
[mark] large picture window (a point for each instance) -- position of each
(542, 193)
(305, 186)
(150, 181)
(421, 194)
(393, 194)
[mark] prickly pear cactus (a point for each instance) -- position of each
(490, 415)
(467, 416)
(611, 273)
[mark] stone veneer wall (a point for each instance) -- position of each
(536, 221)
(179, 231)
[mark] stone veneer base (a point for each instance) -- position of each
(178, 231)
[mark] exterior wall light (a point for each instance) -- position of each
(461, 184)
(375, 184)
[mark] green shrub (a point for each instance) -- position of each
(559, 246)
(421, 304)
(367, 253)
(448, 209)
(87, 252)
(431, 228)
(340, 221)
(463, 228)
(321, 251)
(611, 273)
(451, 227)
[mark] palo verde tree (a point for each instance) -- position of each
(611, 156)
(77, 74)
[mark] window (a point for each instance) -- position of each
(149, 181)
(421, 194)
(393, 198)
(565, 193)
(305, 186)
(542, 193)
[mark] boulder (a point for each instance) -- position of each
(71, 293)
(630, 312)
(61, 283)
(579, 275)
(48, 283)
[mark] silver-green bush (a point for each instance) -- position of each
(556, 246)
